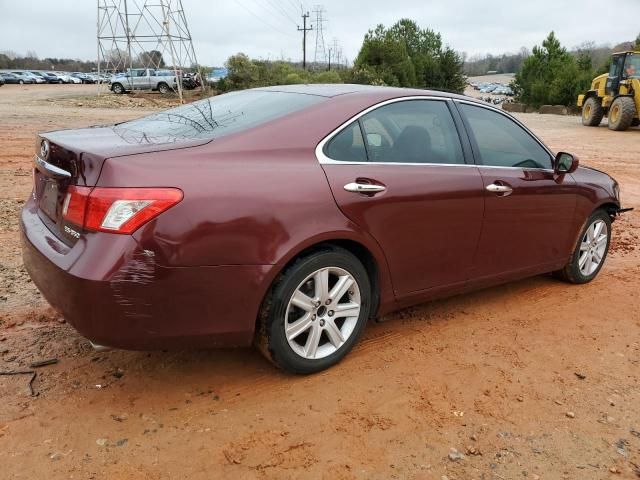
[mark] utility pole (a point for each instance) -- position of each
(329, 59)
(304, 31)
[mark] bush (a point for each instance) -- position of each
(327, 77)
(247, 73)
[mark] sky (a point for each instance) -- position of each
(267, 29)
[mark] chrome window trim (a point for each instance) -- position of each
(329, 161)
(324, 160)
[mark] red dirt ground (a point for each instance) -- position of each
(535, 380)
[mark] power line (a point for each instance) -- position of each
(262, 19)
(275, 15)
(296, 5)
(278, 6)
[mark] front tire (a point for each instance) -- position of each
(315, 312)
(591, 250)
(163, 88)
(592, 112)
(117, 88)
(621, 113)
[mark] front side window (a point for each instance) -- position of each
(412, 131)
(502, 142)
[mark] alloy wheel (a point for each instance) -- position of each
(593, 247)
(322, 313)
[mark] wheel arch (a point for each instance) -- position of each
(607, 205)
(368, 253)
(610, 207)
(591, 94)
(362, 253)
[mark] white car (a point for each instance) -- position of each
(65, 77)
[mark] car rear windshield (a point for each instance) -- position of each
(215, 117)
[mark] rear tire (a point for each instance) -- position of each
(592, 112)
(307, 334)
(591, 250)
(21, 82)
(621, 113)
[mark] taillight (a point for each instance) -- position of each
(116, 210)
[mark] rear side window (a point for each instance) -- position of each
(502, 142)
(412, 131)
(215, 117)
(347, 146)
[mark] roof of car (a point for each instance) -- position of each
(338, 89)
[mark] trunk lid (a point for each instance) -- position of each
(75, 157)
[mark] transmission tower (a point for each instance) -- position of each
(320, 55)
(144, 34)
(336, 53)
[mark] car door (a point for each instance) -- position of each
(399, 172)
(529, 209)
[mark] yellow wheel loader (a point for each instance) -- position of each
(615, 95)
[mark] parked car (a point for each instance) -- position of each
(65, 77)
(40, 76)
(15, 79)
(31, 76)
(83, 77)
(190, 81)
(49, 77)
(291, 215)
(164, 81)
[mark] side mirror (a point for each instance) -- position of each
(566, 163)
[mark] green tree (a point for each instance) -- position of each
(405, 55)
(637, 46)
(552, 76)
(388, 57)
(450, 68)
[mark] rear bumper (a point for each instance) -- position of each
(116, 295)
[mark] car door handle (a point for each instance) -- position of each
(494, 188)
(364, 188)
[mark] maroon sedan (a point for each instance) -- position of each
(291, 215)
